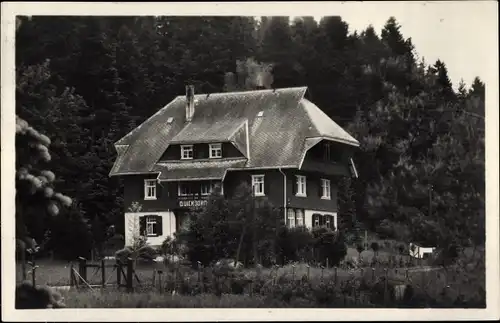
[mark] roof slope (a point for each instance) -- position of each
(276, 139)
(196, 170)
(326, 126)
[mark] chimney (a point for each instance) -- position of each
(189, 102)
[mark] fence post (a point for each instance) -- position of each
(103, 273)
(335, 270)
(33, 272)
(130, 275)
(118, 273)
(308, 268)
(159, 280)
(293, 272)
(82, 269)
(385, 287)
(327, 265)
(71, 276)
(199, 272)
(322, 271)
(373, 274)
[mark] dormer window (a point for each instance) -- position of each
(187, 152)
(260, 114)
(215, 150)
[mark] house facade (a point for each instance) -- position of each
(277, 141)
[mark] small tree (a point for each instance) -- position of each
(359, 249)
(140, 247)
(330, 245)
(375, 247)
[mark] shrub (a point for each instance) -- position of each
(329, 245)
(294, 244)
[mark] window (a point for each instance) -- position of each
(291, 218)
(325, 189)
(316, 219)
(258, 185)
(327, 220)
(215, 150)
(206, 188)
(150, 189)
(299, 216)
(151, 226)
(185, 189)
(301, 185)
(187, 152)
(295, 218)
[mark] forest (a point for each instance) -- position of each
(84, 82)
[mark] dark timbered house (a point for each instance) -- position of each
(275, 140)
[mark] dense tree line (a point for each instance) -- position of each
(87, 81)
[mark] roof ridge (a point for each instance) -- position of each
(248, 91)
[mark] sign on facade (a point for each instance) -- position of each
(193, 203)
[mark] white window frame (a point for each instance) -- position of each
(185, 150)
(258, 185)
(301, 185)
(152, 223)
(205, 185)
(299, 217)
(326, 189)
(150, 184)
(290, 214)
(179, 193)
(215, 150)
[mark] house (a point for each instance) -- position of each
(419, 252)
(275, 140)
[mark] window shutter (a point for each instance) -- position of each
(159, 189)
(159, 225)
(143, 188)
(294, 185)
(321, 220)
(196, 151)
(267, 185)
(320, 188)
(142, 225)
(315, 218)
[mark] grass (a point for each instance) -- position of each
(431, 284)
(118, 299)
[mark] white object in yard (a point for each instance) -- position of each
(159, 259)
(417, 251)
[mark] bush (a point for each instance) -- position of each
(295, 244)
(329, 245)
(145, 253)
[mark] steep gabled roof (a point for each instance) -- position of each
(275, 139)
